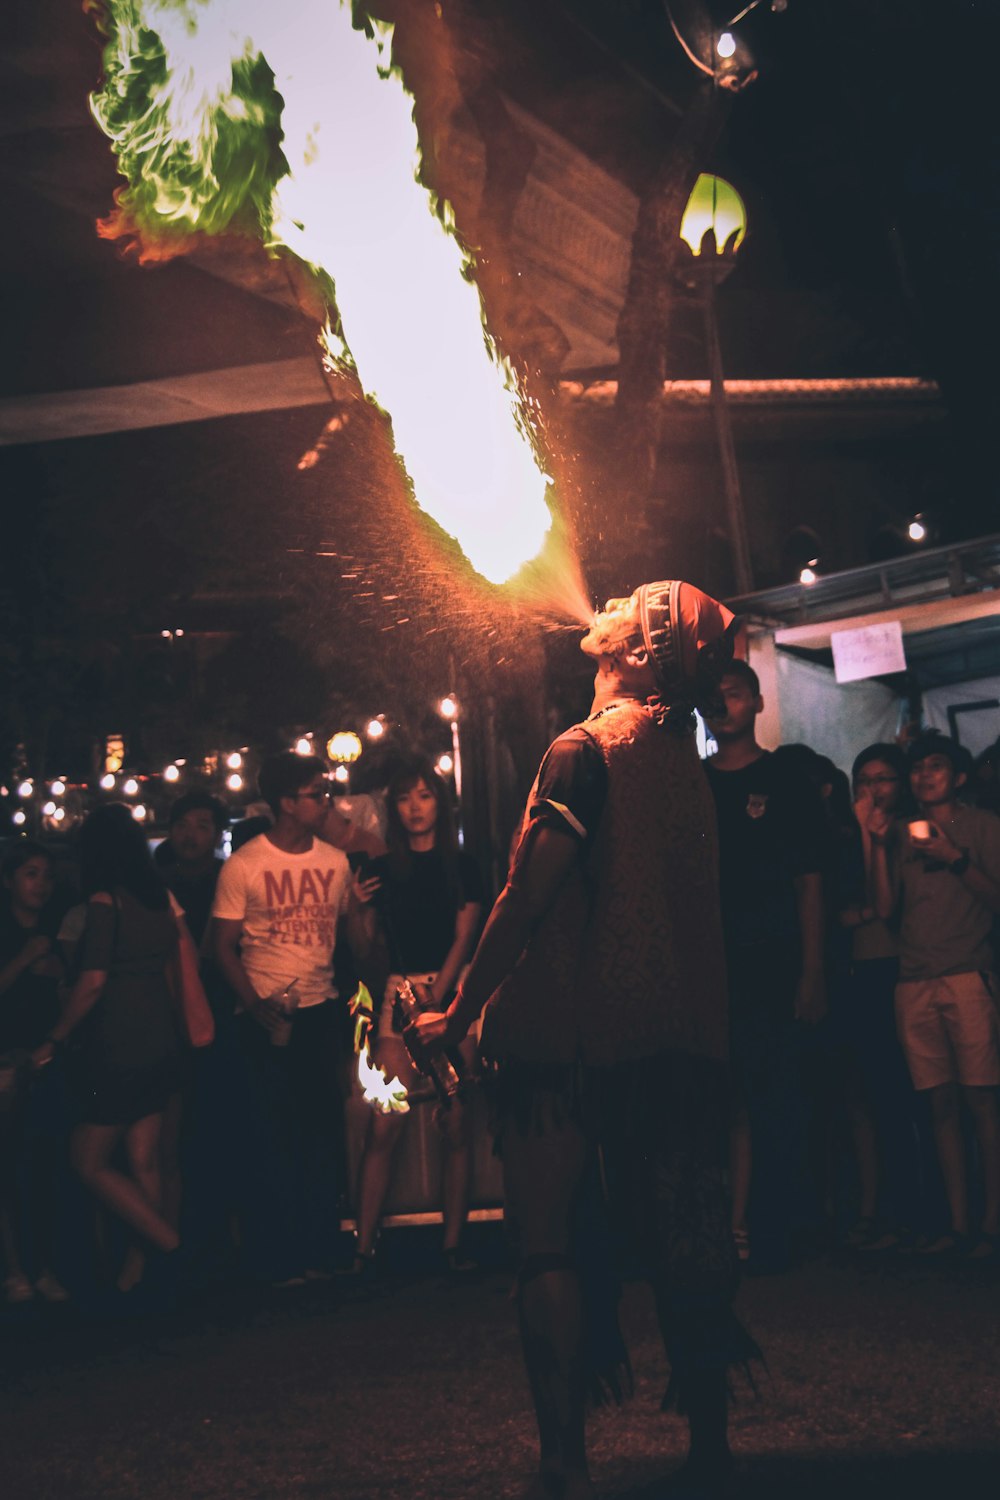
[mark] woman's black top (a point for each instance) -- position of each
(418, 905)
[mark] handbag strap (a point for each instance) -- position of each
(115, 930)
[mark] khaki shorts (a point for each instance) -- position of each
(949, 1029)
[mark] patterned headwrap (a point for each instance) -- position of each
(688, 635)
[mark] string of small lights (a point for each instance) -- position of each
(58, 806)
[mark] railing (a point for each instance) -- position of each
(938, 573)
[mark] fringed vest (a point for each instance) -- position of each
(628, 962)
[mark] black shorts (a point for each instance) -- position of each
(120, 1096)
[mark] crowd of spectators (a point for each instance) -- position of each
(860, 921)
(131, 1163)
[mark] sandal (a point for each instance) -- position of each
(884, 1243)
(361, 1265)
(984, 1248)
(18, 1288)
(50, 1288)
(949, 1244)
(457, 1264)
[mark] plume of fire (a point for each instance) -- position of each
(387, 1097)
(236, 115)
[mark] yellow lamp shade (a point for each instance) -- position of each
(344, 746)
(714, 204)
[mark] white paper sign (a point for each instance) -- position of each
(872, 651)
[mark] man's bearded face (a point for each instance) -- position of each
(616, 628)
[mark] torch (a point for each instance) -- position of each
(439, 1069)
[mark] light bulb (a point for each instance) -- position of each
(726, 45)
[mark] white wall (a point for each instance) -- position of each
(835, 719)
(978, 729)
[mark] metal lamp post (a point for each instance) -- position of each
(449, 710)
(713, 227)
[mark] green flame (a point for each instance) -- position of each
(217, 176)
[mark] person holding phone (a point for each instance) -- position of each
(429, 904)
(939, 875)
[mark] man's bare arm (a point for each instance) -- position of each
(544, 859)
(360, 926)
(883, 886)
(227, 937)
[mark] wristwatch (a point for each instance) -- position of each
(959, 866)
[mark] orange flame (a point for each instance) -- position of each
(350, 206)
(389, 1098)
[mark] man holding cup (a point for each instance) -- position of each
(940, 874)
(279, 903)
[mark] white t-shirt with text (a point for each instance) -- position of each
(289, 905)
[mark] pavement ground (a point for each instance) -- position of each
(882, 1380)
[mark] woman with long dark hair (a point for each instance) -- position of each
(429, 903)
(121, 1013)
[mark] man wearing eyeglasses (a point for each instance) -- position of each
(278, 904)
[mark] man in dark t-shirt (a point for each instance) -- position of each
(770, 857)
(601, 972)
(191, 867)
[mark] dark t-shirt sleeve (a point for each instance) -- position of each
(470, 881)
(807, 841)
(572, 785)
(99, 936)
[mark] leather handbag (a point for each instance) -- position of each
(184, 977)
